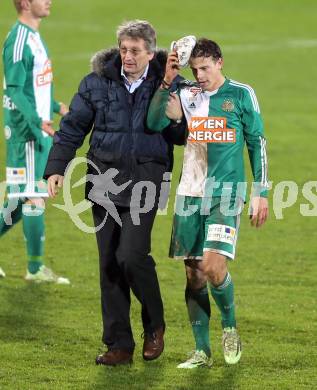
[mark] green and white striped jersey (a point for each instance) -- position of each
(219, 124)
(28, 90)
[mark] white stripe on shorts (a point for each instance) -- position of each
(221, 252)
(30, 171)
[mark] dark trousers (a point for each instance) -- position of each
(125, 263)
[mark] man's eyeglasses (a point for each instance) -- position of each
(134, 52)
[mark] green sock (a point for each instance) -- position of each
(34, 264)
(33, 228)
(10, 214)
(198, 307)
(224, 298)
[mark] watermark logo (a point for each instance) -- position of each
(102, 186)
(146, 196)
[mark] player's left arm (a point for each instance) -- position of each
(256, 144)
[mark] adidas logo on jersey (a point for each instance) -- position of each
(192, 105)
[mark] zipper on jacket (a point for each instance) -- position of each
(130, 104)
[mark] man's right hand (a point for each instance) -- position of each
(259, 211)
(53, 183)
(174, 108)
(47, 128)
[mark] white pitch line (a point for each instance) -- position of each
(289, 44)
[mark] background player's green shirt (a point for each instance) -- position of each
(221, 162)
(28, 89)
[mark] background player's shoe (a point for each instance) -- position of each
(197, 359)
(2, 274)
(232, 347)
(45, 274)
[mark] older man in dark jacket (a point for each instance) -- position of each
(113, 102)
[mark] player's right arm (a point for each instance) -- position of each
(157, 119)
(165, 106)
(35, 123)
(15, 70)
(256, 144)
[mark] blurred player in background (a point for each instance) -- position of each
(209, 198)
(28, 110)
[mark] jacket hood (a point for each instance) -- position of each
(107, 63)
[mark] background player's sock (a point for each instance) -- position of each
(10, 214)
(198, 307)
(224, 298)
(34, 264)
(33, 228)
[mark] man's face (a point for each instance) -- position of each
(134, 56)
(206, 71)
(40, 8)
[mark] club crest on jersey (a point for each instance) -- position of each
(227, 105)
(210, 129)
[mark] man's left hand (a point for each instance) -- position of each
(259, 211)
(63, 110)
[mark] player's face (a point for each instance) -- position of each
(206, 71)
(40, 8)
(134, 56)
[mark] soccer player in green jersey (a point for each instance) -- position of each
(222, 116)
(28, 110)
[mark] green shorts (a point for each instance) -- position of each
(26, 162)
(202, 224)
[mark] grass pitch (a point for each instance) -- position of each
(49, 335)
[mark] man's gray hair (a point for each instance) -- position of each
(138, 29)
